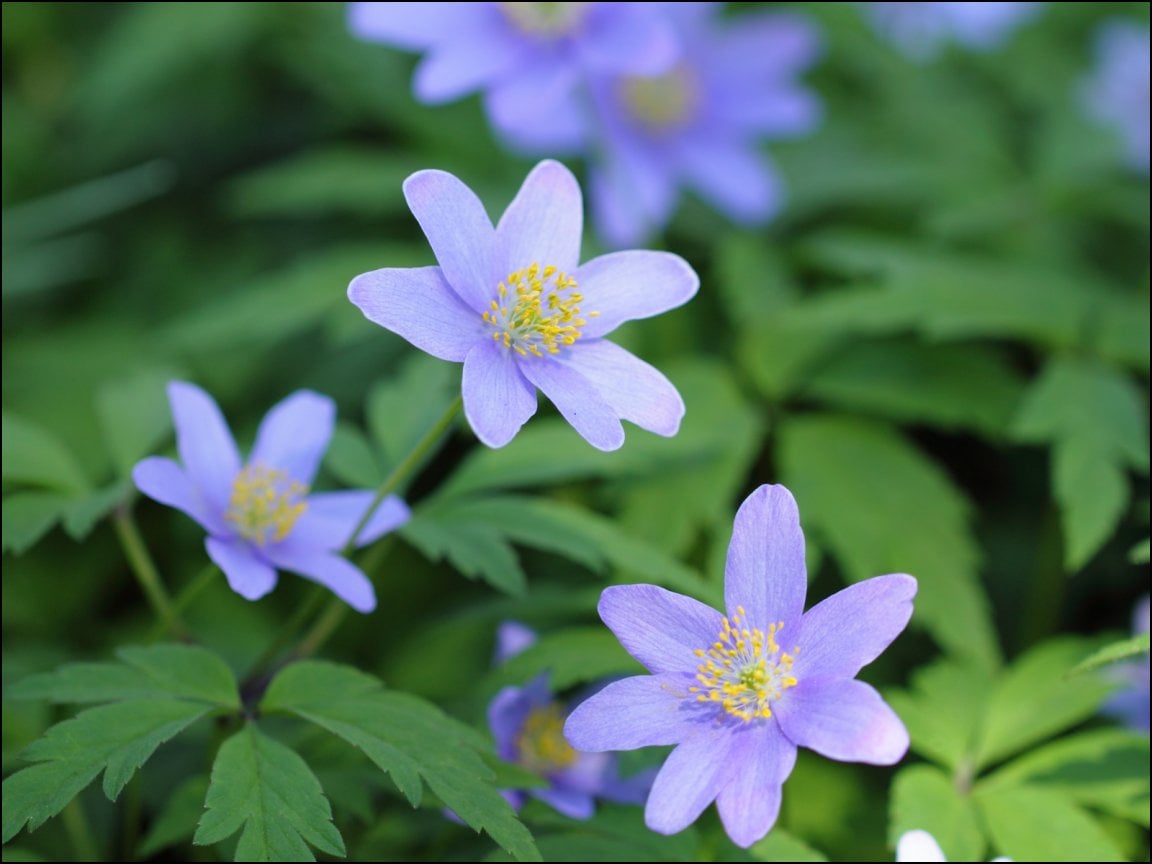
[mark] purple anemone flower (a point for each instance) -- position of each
(921, 29)
(738, 694)
(259, 514)
(1116, 94)
(527, 723)
(528, 58)
(700, 124)
(515, 306)
(1130, 705)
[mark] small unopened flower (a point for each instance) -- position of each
(1130, 704)
(260, 514)
(739, 693)
(515, 305)
(528, 722)
(921, 29)
(700, 125)
(917, 845)
(529, 59)
(1116, 93)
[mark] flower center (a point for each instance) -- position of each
(545, 20)
(662, 102)
(265, 504)
(744, 671)
(537, 311)
(541, 744)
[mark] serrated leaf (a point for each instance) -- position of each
(34, 456)
(860, 485)
(1122, 650)
(1035, 698)
(265, 788)
(402, 409)
(924, 797)
(473, 548)
(28, 516)
(134, 417)
(944, 711)
(406, 737)
(176, 821)
(1028, 823)
(115, 738)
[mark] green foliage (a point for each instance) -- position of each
(925, 798)
(1122, 650)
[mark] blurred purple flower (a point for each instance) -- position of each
(920, 30)
(700, 124)
(729, 694)
(528, 723)
(1130, 705)
(515, 306)
(1116, 93)
(528, 58)
(259, 515)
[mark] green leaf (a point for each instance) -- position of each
(575, 655)
(351, 458)
(264, 787)
(1106, 769)
(401, 409)
(176, 821)
(134, 417)
(1035, 699)
(1122, 650)
(28, 516)
(1139, 554)
(1097, 423)
(82, 514)
(115, 738)
(406, 737)
(1029, 823)
(924, 797)
(34, 456)
(860, 485)
(779, 845)
(473, 548)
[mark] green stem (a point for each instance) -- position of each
(146, 574)
(80, 832)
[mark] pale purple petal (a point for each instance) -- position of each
(341, 577)
(515, 107)
(628, 38)
(294, 435)
(407, 25)
(460, 233)
(842, 719)
(842, 634)
(918, 845)
(690, 780)
(632, 198)
(765, 572)
(544, 222)
(642, 711)
(509, 710)
(573, 803)
(207, 449)
(658, 627)
(465, 63)
(248, 575)
(637, 392)
(417, 304)
(733, 176)
(497, 399)
(750, 802)
(164, 481)
(578, 400)
(512, 638)
(330, 518)
(782, 112)
(740, 50)
(623, 286)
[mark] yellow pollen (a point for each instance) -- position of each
(662, 102)
(538, 311)
(744, 671)
(265, 504)
(541, 745)
(545, 20)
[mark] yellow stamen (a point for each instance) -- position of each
(265, 504)
(545, 314)
(541, 746)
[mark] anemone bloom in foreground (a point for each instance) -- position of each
(515, 306)
(259, 515)
(739, 693)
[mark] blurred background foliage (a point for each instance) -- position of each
(941, 347)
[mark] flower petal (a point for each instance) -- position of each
(637, 392)
(248, 576)
(331, 517)
(690, 780)
(660, 628)
(577, 399)
(341, 577)
(733, 176)
(417, 304)
(460, 233)
(633, 192)
(842, 634)
(917, 845)
(515, 106)
(207, 449)
(623, 286)
(544, 222)
(573, 803)
(294, 435)
(497, 399)
(463, 63)
(842, 719)
(508, 712)
(750, 803)
(765, 572)
(407, 25)
(512, 638)
(628, 38)
(642, 711)
(164, 481)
